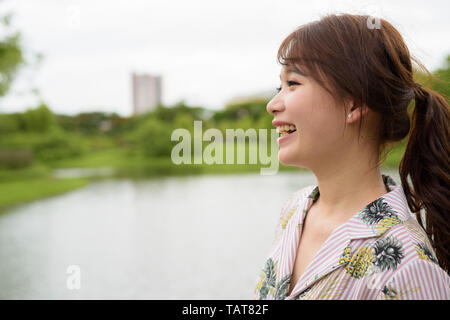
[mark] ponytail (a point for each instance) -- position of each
(427, 161)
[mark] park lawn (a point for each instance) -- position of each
(103, 158)
(140, 165)
(114, 157)
(35, 171)
(118, 158)
(18, 186)
(15, 192)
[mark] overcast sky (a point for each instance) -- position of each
(207, 52)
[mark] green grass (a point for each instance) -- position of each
(104, 158)
(20, 191)
(33, 172)
(141, 166)
(18, 186)
(132, 164)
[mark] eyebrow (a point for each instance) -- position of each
(292, 69)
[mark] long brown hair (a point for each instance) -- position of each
(353, 57)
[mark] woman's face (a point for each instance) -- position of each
(316, 115)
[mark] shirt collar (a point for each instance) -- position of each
(378, 216)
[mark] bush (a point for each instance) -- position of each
(53, 145)
(58, 145)
(16, 158)
(39, 120)
(8, 124)
(152, 138)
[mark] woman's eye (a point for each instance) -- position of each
(290, 83)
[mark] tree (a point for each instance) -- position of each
(152, 138)
(11, 56)
(39, 120)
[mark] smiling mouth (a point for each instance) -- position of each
(286, 129)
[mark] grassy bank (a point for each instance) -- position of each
(140, 165)
(25, 190)
(18, 186)
(147, 166)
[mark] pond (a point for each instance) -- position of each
(192, 237)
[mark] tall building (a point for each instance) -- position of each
(146, 92)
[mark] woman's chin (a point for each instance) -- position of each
(289, 158)
(285, 158)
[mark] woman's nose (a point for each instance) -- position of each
(275, 105)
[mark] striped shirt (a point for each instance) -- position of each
(380, 253)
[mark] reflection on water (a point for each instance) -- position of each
(201, 237)
(83, 172)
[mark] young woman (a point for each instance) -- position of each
(346, 84)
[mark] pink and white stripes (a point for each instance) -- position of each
(380, 253)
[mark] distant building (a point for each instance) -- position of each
(146, 92)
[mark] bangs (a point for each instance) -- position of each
(294, 52)
(302, 50)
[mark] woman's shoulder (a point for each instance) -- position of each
(405, 259)
(414, 240)
(418, 278)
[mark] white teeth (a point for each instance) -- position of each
(285, 128)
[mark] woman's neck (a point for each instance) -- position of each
(345, 193)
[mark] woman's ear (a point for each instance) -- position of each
(355, 113)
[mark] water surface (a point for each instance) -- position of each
(197, 237)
